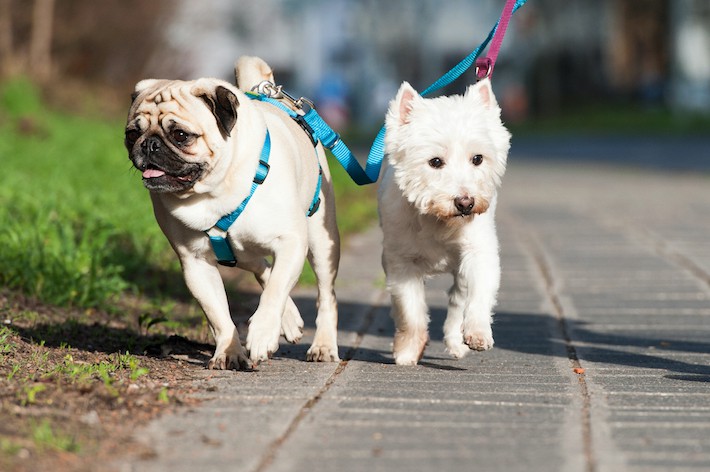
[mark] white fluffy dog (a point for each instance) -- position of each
(437, 199)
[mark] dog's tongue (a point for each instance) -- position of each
(150, 173)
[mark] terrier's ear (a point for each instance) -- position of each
(406, 96)
(484, 90)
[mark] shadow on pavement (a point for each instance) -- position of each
(536, 334)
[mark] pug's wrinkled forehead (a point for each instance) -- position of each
(158, 100)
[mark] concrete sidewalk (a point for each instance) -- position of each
(604, 270)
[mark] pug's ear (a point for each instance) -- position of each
(223, 104)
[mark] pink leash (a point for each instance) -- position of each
(485, 65)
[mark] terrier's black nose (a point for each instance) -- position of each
(464, 204)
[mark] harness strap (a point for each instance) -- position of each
(307, 125)
(262, 171)
(221, 247)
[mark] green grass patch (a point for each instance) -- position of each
(48, 437)
(76, 225)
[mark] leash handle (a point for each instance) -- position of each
(485, 65)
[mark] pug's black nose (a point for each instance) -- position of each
(151, 145)
(464, 204)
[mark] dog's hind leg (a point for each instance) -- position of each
(291, 321)
(324, 257)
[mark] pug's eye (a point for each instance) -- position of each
(477, 160)
(179, 136)
(436, 162)
(132, 136)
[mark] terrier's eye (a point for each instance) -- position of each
(477, 159)
(436, 162)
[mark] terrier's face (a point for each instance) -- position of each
(448, 153)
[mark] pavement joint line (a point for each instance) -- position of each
(268, 458)
(545, 269)
(663, 249)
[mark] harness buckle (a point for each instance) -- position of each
(314, 208)
(222, 250)
(262, 172)
(301, 121)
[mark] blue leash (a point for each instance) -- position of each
(331, 140)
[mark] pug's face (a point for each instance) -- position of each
(174, 129)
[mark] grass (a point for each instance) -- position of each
(47, 437)
(77, 226)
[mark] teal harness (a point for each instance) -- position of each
(220, 245)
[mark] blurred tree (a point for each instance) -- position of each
(40, 48)
(6, 52)
(106, 43)
(639, 48)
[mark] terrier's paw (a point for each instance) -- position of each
(479, 340)
(292, 324)
(322, 353)
(262, 340)
(456, 348)
(407, 357)
(409, 346)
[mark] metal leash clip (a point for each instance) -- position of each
(271, 90)
(276, 92)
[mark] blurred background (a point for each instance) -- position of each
(621, 81)
(559, 57)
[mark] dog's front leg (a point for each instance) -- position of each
(481, 271)
(410, 314)
(205, 283)
(265, 323)
(453, 326)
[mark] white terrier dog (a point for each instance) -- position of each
(437, 199)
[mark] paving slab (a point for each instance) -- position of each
(601, 361)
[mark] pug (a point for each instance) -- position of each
(198, 146)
